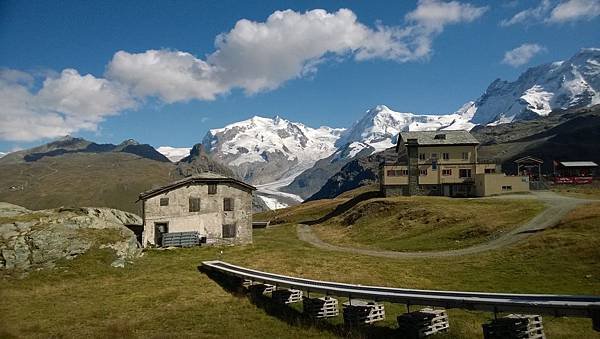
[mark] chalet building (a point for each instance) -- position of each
(444, 163)
(574, 172)
(216, 208)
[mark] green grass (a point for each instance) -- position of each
(163, 294)
(425, 223)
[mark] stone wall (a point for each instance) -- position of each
(209, 221)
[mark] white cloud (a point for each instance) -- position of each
(67, 103)
(549, 12)
(573, 10)
(522, 54)
(252, 56)
(261, 56)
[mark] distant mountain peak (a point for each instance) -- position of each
(559, 85)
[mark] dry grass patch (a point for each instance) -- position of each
(588, 191)
(425, 223)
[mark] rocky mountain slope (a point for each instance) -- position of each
(77, 172)
(39, 239)
(562, 135)
(560, 85)
(70, 145)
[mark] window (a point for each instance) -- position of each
(446, 156)
(440, 137)
(464, 173)
(434, 165)
(164, 201)
(421, 156)
(194, 204)
(227, 204)
(229, 231)
(212, 188)
(465, 155)
(490, 170)
(507, 188)
(446, 172)
(423, 172)
(433, 155)
(397, 173)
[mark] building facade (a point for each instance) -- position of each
(443, 163)
(218, 208)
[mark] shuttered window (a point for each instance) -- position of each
(212, 188)
(229, 231)
(194, 204)
(227, 204)
(164, 201)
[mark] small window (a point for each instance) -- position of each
(433, 155)
(434, 165)
(227, 204)
(465, 155)
(489, 170)
(440, 137)
(507, 188)
(229, 231)
(212, 188)
(447, 172)
(164, 201)
(423, 172)
(421, 156)
(464, 173)
(446, 156)
(391, 173)
(194, 204)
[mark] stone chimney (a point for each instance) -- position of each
(412, 152)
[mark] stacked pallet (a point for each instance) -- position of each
(515, 326)
(286, 296)
(363, 312)
(324, 307)
(260, 289)
(423, 323)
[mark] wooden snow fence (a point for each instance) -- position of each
(423, 323)
(324, 307)
(362, 312)
(515, 326)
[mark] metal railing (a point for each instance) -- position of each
(548, 304)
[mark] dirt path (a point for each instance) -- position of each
(557, 207)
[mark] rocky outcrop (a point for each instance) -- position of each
(40, 239)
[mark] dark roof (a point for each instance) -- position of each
(434, 138)
(204, 178)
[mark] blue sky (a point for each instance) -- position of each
(423, 57)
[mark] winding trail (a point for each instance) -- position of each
(557, 207)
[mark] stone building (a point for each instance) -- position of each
(444, 163)
(218, 208)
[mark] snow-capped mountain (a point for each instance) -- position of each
(378, 129)
(538, 91)
(174, 153)
(263, 150)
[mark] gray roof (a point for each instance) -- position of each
(578, 164)
(203, 178)
(431, 138)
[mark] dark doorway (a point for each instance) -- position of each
(160, 228)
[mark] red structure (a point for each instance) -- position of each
(574, 172)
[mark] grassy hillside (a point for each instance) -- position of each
(163, 294)
(425, 223)
(82, 179)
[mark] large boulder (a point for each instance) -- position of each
(38, 239)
